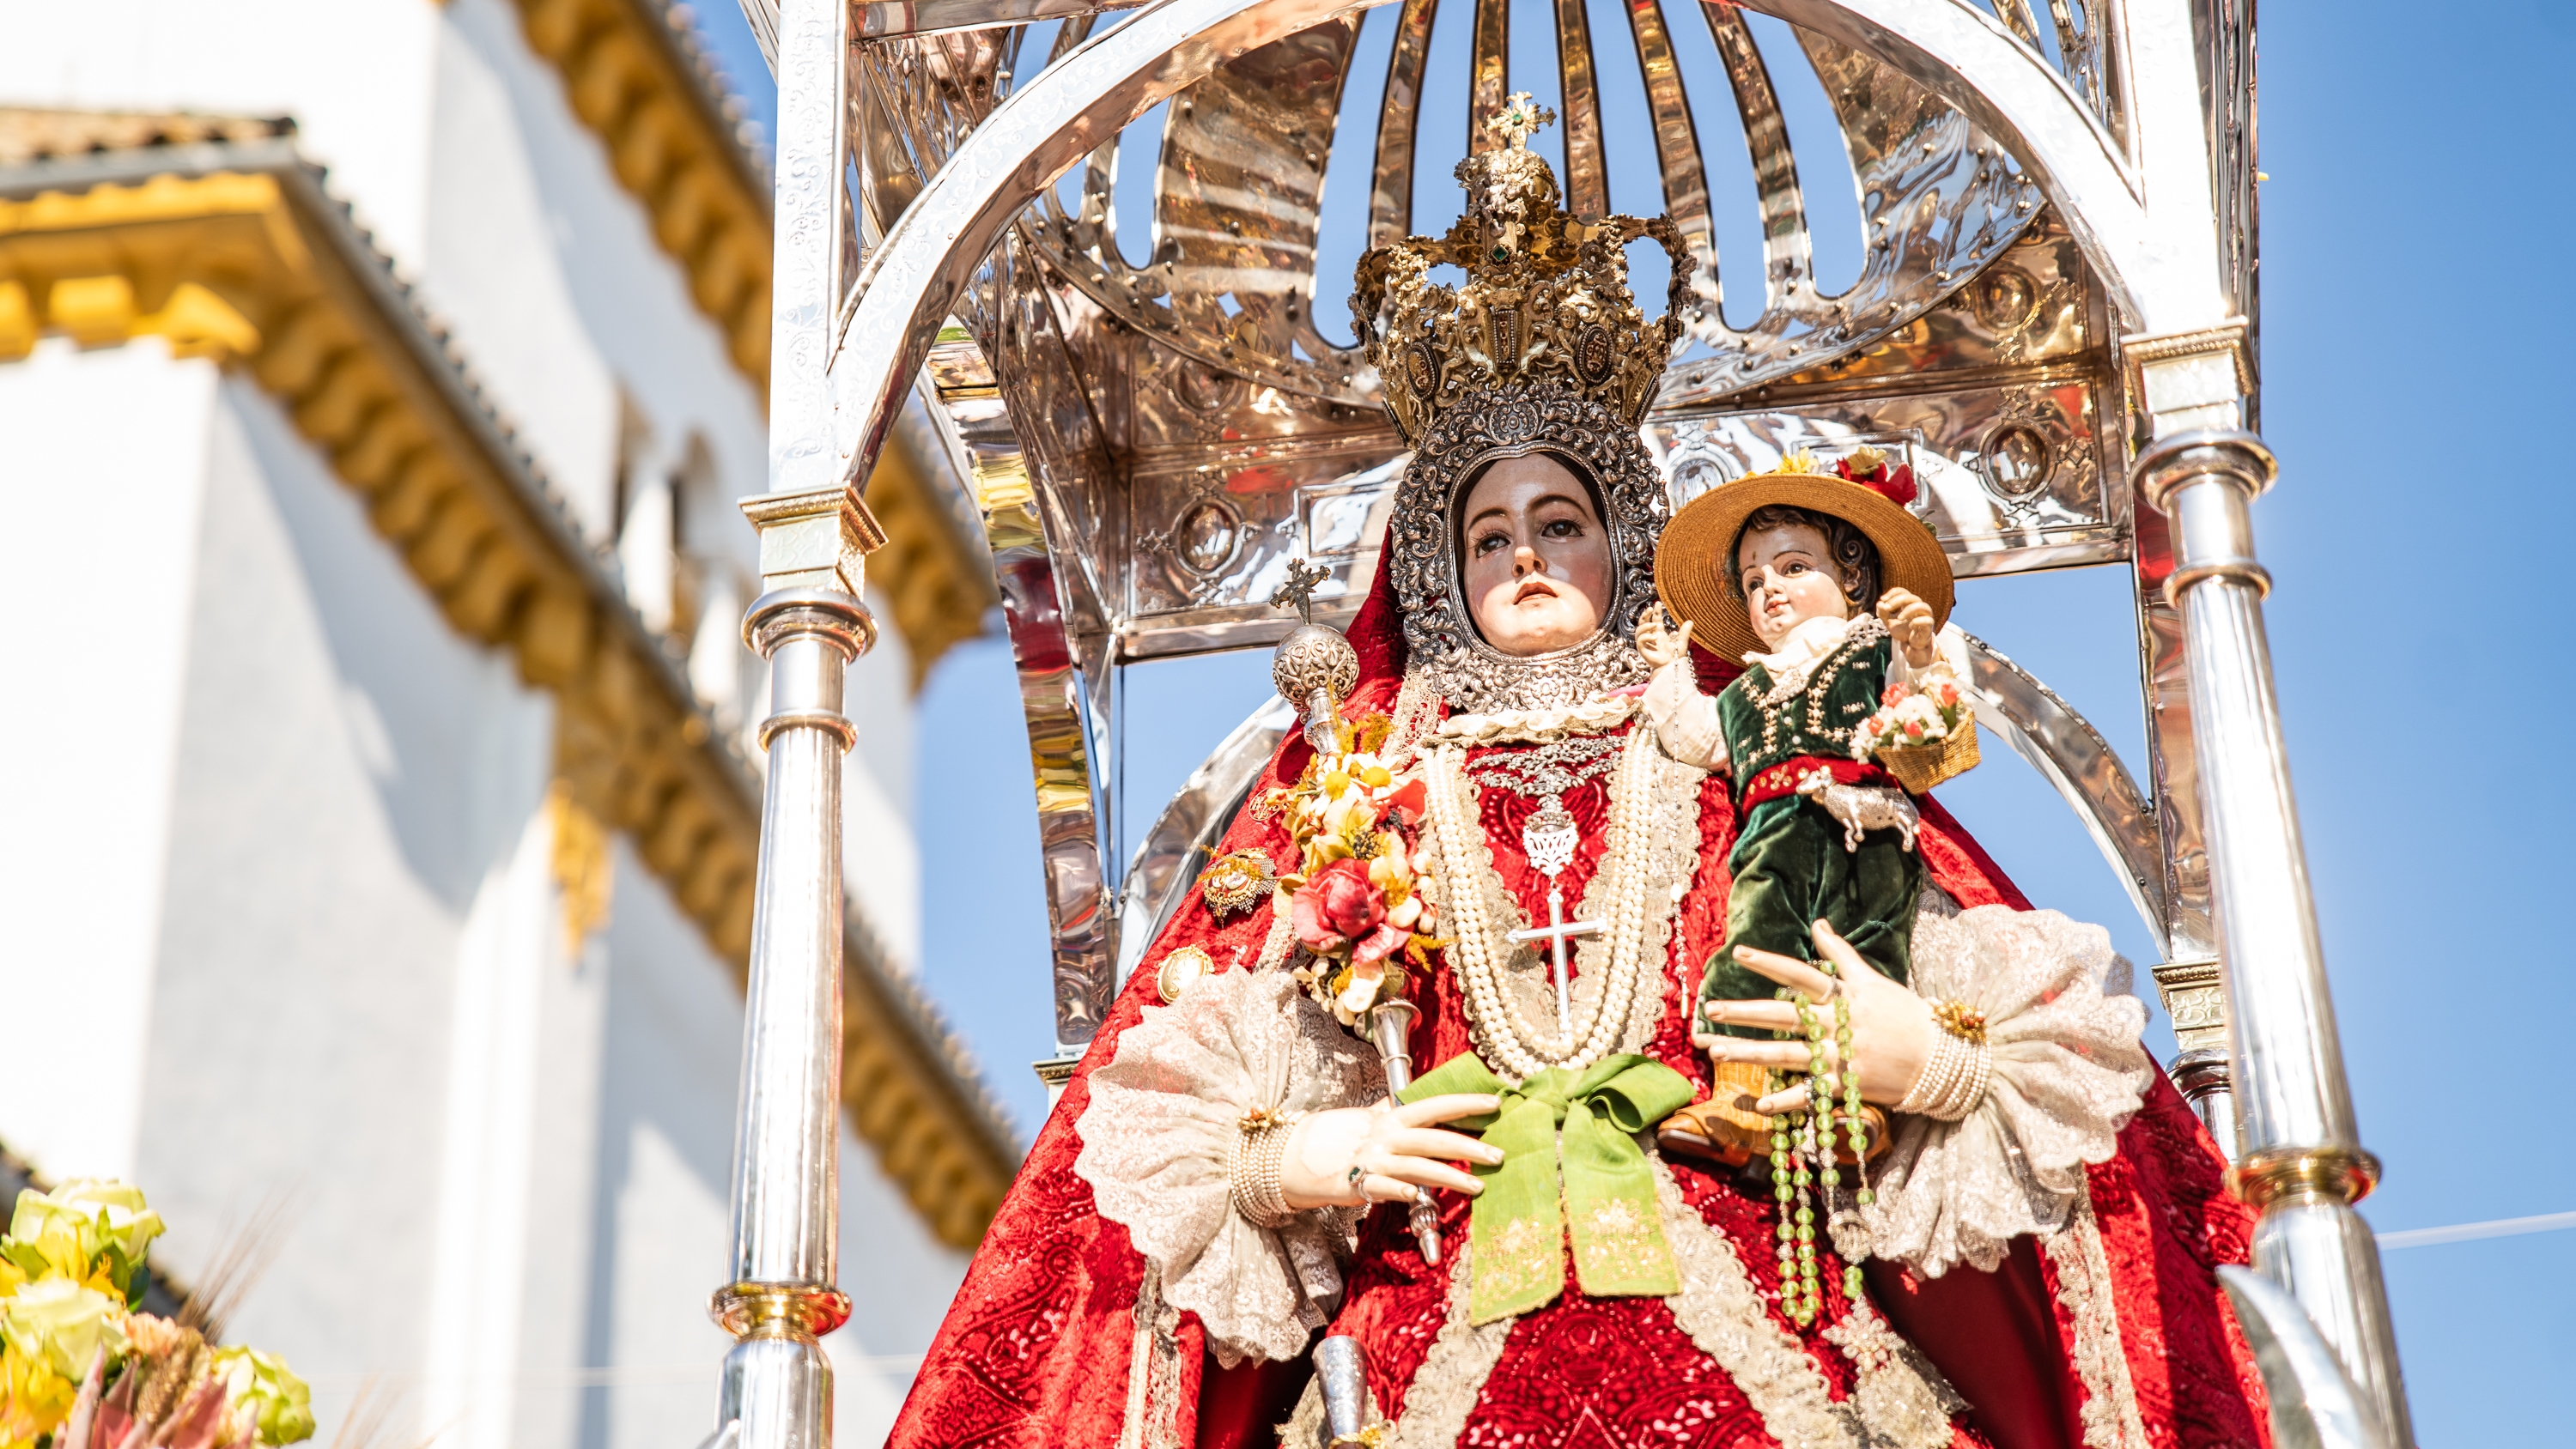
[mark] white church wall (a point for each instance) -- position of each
(673, 1057)
(353, 967)
(98, 529)
(328, 967)
(550, 273)
(505, 1166)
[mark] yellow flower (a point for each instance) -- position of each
(34, 1400)
(1349, 817)
(263, 1384)
(60, 1325)
(66, 1233)
(1387, 873)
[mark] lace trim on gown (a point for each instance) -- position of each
(1899, 1401)
(2110, 1413)
(2069, 1073)
(1164, 1115)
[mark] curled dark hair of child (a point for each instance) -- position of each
(1855, 557)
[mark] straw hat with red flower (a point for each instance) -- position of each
(1862, 489)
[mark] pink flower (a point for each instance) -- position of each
(1379, 944)
(1895, 693)
(1337, 906)
(1913, 729)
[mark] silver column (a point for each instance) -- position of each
(781, 1291)
(2303, 1165)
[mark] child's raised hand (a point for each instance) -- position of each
(1909, 619)
(1660, 645)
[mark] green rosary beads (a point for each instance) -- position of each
(1802, 1152)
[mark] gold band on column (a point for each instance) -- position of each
(778, 1310)
(2279, 1174)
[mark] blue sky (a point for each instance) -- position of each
(2412, 230)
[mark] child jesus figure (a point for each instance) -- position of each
(1829, 591)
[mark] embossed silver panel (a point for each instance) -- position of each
(1231, 276)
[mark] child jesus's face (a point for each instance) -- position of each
(1789, 578)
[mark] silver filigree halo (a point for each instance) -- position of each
(1513, 420)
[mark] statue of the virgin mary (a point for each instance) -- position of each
(1226, 1178)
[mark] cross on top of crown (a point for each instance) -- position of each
(1304, 577)
(1518, 119)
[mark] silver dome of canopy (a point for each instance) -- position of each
(1232, 278)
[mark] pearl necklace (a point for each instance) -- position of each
(1511, 1045)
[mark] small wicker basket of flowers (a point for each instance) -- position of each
(1921, 736)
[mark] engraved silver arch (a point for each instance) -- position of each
(1230, 279)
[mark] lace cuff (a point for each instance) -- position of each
(1685, 720)
(1158, 1140)
(2067, 1074)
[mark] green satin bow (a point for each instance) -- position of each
(1609, 1190)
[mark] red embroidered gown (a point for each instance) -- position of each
(1038, 1349)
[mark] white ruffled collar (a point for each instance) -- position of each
(1592, 716)
(1806, 644)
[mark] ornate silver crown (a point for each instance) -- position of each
(1542, 352)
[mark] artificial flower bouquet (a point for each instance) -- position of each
(82, 1368)
(1355, 901)
(1921, 736)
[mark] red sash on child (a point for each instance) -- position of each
(1782, 778)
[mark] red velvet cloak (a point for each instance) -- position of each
(1036, 1350)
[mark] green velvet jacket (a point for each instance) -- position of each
(1790, 862)
(1842, 690)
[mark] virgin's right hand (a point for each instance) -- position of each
(1395, 1149)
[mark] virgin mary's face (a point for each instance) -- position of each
(1536, 559)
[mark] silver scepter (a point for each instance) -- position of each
(1390, 1025)
(1315, 666)
(1341, 1371)
(1315, 669)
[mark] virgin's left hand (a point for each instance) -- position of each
(1891, 1028)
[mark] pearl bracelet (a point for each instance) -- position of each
(1954, 1081)
(1255, 1168)
(1940, 1073)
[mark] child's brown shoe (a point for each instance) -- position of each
(1726, 1130)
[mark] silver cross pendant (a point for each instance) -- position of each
(1548, 838)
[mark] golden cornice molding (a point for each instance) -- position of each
(635, 76)
(252, 265)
